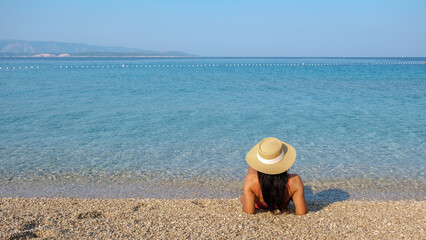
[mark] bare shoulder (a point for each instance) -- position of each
(296, 182)
(251, 181)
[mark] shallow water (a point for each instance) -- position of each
(358, 125)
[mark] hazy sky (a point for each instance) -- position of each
(227, 28)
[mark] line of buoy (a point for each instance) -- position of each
(210, 65)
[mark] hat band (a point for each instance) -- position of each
(271, 161)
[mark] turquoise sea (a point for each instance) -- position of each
(180, 127)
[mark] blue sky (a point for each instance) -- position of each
(352, 28)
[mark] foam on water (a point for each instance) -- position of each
(358, 125)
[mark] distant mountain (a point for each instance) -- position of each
(19, 48)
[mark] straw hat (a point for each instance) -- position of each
(271, 156)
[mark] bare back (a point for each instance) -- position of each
(252, 192)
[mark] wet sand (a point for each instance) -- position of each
(76, 218)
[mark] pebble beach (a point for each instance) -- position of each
(79, 218)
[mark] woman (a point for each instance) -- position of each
(267, 184)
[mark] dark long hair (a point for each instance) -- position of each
(273, 190)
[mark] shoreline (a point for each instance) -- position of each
(129, 218)
(206, 188)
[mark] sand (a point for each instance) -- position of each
(75, 218)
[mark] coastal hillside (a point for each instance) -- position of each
(19, 48)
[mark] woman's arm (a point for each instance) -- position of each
(298, 196)
(248, 202)
(248, 197)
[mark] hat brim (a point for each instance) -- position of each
(276, 168)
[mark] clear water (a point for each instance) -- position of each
(182, 126)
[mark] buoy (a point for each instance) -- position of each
(303, 64)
